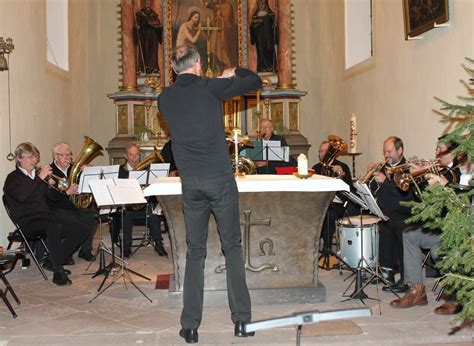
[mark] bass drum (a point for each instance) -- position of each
(359, 236)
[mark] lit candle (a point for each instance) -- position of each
(258, 101)
(353, 134)
(302, 164)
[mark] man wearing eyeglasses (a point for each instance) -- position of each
(62, 207)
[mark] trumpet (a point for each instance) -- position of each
(369, 176)
(61, 184)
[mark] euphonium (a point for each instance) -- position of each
(153, 157)
(337, 146)
(90, 151)
(246, 165)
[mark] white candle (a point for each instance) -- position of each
(353, 134)
(302, 164)
(236, 144)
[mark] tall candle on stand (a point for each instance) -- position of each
(236, 155)
(258, 101)
(353, 136)
(302, 164)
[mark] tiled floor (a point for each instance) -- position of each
(122, 316)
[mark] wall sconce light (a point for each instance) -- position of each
(6, 46)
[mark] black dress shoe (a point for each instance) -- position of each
(239, 330)
(388, 274)
(160, 249)
(189, 335)
(60, 278)
(85, 255)
(49, 266)
(398, 287)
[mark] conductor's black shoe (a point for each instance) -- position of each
(398, 287)
(239, 330)
(49, 266)
(189, 335)
(160, 249)
(60, 278)
(86, 255)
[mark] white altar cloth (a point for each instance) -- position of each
(258, 183)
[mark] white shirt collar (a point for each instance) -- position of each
(129, 168)
(25, 172)
(64, 171)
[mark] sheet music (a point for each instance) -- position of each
(276, 152)
(158, 170)
(88, 174)
(110, 192)
(110, 172)
(140, 176)
(366, 195)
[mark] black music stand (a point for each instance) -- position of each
(371, 205)
(118, 193)
(269, 151)
(327, 252)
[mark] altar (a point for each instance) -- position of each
(281, 220)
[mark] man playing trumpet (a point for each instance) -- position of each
(27, 192)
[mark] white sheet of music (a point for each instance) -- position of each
(89, 174)
(275, 151)
(110, 172)
(109, 192)
(158, 170)
(140, 176)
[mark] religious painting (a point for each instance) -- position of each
(422, 15)
(214, 26)
(253, 116)
(293, 115)
(277, 115)
(122, 119)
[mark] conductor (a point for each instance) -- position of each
(192, 109)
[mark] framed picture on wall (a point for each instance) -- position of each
(214, 24)
(422, 15)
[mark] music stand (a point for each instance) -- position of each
(268, 150)
(118, 193)
(156, 170)
(327, 252)
(371, 205)
(307, 317)
(106, 172)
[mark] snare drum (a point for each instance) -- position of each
(358, 240)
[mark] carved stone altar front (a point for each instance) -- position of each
(280, 237)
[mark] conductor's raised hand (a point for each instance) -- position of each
(228, 73)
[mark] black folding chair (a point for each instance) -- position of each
(25, 240)
(7, 264)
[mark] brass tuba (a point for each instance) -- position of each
(337, 146)
(153, 157)
(89, 152)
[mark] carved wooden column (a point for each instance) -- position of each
(285, 74)
(129, 64)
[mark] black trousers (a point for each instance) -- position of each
(62, 237)
(86, 217)
(334, 213)
(391, 241)
(220, 196)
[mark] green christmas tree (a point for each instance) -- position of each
(452, 210)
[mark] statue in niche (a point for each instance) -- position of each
(147, 36)
(264, 35)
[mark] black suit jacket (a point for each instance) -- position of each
(192, 107)
(347, 178)
(60, 200)
(27, 197)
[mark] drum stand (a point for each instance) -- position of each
(124, 272)
(358, 292)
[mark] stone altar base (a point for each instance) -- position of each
(280, 239)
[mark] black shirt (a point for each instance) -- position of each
(192, 107)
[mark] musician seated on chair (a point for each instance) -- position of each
(389, 196)
(418, 238)
(62, 206)
(266, 132)
(132, 157)
(334, 168)
(27, 190)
